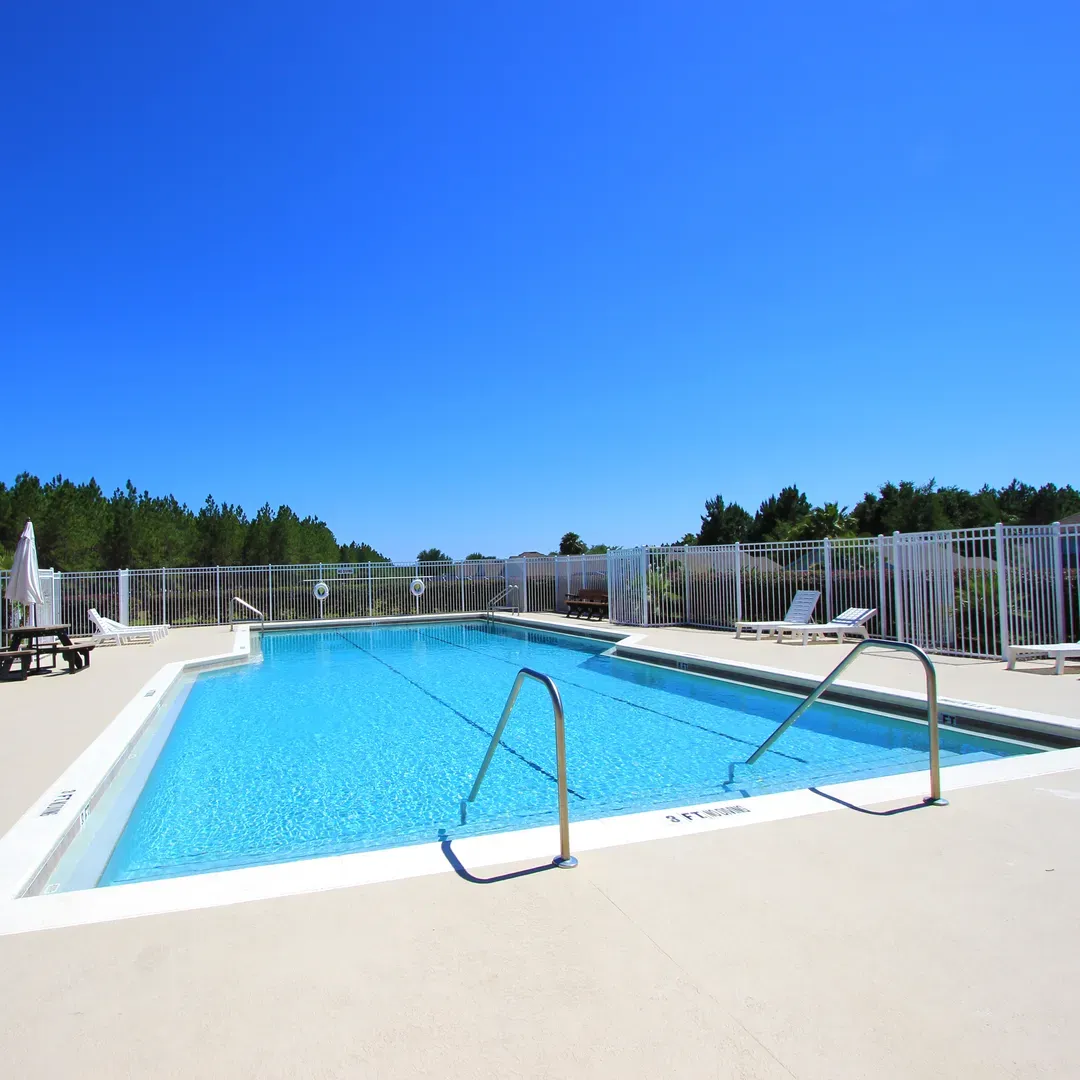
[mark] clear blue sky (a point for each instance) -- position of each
(473, 274)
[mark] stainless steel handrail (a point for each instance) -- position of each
(931, 709)
(250, 607)
(494, 601)
(564, 858)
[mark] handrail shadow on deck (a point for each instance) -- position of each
(465, 875)
(921, 804)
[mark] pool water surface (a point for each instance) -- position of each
(356, 739)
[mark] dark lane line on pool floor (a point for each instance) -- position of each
(624, 701)
(472, 723)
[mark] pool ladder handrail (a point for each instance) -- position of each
(564, 858)
(931, 708)
(494, 604)
(250, 607)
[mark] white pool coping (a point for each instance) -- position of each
(40, 835)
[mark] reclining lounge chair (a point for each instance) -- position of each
(1057, 653)
(109, 630)
(851, 622)
(802, 607)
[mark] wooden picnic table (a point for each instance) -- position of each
(587, 602)
(77, 654)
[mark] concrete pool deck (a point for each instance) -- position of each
(845, 944)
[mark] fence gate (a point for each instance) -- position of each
(627, 571)
(713, 589)
(925, 586)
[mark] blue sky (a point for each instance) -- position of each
(473, 274)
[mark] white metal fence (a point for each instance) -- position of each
(202, 596)
(968, 592)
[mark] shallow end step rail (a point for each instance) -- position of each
(494, 604)
(251, 608)
(564, 858)
(931, 709)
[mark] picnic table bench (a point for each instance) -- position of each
(588, 602)
(9, 657)
(30, 639)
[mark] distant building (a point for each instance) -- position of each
(1071, 542)
(530, 555)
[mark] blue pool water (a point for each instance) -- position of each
(357, 739)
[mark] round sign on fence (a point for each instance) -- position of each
(321, 590)
(416, 587)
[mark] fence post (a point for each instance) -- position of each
(881, 583)
(1003, 585)
(613, 597)
(123, 587)
(270, 591)
(686, 584)
(738, 582)
(164, 620)
(217, 579)
(645, 586)
(1059, 580)
(462, 568)
(524, 585)
(369, 609)
(826, 552)
(56, 595)
(898, 585)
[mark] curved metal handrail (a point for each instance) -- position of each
(931, 709)
(250, 607)
(564, 858)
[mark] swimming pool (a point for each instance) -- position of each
(362, 738)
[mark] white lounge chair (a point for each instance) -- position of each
(1058, 653)
(802, 607)
(109, 630)
(851, 623)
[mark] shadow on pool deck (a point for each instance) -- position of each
(464, 874)
(864, 810)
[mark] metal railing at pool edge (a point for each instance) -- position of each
(494, 605)
(564, 858)
(931, 709)
(245, 604)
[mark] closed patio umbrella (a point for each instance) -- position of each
(24, 585)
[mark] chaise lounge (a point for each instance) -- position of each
(1058, 653)
(798, 613)
(109, 630)
(851, 623)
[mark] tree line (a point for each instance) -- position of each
(79, 527)
(905, 507)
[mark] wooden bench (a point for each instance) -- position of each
(77, 653)
(8, 658)
(588, 602)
